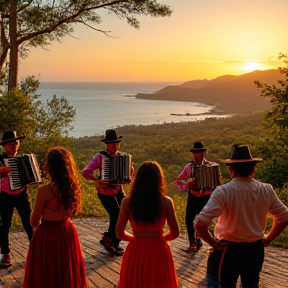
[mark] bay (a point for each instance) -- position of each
(102, 105)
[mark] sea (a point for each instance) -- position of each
(105, 105)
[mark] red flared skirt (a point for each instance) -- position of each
(55, 258)
(148, 263)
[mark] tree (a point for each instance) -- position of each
(277, 117)
(32, 23)
(44, 124)
(274, 149)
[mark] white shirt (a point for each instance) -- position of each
(242, 206)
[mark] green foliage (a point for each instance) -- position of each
(277, 116)
(91, 205)
(16, 111)
(274, 150)
(3, 80)
(283, 194)
(29, 85)
(274, 168)
(45, 125)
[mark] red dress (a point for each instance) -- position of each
(148, 261)
(55, 258)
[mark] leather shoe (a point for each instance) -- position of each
(118, 251)
(5, 260)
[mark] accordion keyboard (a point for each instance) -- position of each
(15, 182)
(24, 170)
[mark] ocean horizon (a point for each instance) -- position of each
(105, 105)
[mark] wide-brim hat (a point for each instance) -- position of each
(111, 137)
(198, 147)
(10, 136)
(241, 154)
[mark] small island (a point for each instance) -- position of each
(190, 114)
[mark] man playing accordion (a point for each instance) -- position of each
(199, 177)
(20, 199)
(109, 193)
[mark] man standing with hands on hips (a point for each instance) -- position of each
(242, 206)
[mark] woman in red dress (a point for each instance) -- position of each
(55, 258)
(147, 261)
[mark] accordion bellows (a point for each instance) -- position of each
(206, 177)
(24, 170)
(116, 169)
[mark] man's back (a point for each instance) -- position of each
(243, 205)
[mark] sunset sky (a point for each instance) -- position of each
(202, 39)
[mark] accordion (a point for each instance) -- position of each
(116, 169)
(24, 170)
(206, 177)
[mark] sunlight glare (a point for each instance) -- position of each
(252, 66)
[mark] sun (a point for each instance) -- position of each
(252, 66)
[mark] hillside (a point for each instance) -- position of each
(230, 94)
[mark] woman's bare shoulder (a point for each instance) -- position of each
(126, 200)
(168, 199)
(168, 202)
(44, 189)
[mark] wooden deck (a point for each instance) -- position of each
(102, 268)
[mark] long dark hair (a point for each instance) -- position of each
(61, 168)
(147, 193)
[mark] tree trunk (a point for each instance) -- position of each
(3, 44)
(13, 58)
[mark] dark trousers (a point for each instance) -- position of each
(23, 206)
(112, 206)
(239, 259)
(194, 206)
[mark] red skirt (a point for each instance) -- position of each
(148, 263)
(55, 258)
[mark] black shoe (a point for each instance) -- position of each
(107, 240)
(108, 248)
(119, 248)
(192, 248)
(199, 242)
(106, 234)
(118, 251)
(5, 261)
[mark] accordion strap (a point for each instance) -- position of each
(105, 153)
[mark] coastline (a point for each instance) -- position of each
(226, 99)
(218, 107)
(213, 111)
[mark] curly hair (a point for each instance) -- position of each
(147, 193)
(61, 168)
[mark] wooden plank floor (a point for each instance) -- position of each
(102, 268)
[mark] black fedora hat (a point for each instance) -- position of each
(10, 136)
(111, 137)
(198, 147)
(240, 153)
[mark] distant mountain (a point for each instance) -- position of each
(229, 93)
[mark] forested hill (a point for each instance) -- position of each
(230, 94)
